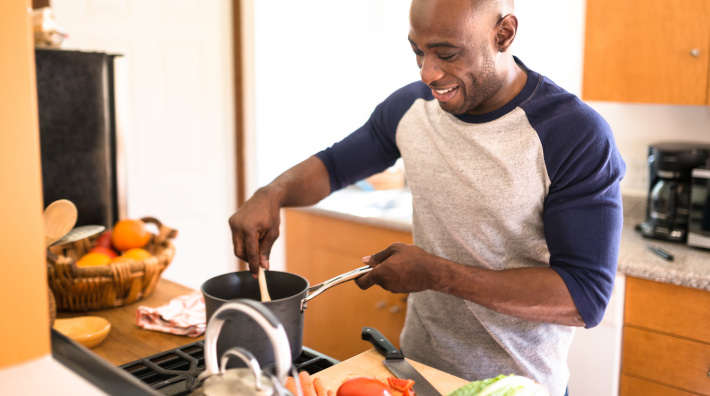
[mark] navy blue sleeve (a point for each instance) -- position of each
(372, 148)
(582, 215)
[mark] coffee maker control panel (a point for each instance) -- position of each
(699, 217)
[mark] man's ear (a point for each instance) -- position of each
(505, 32)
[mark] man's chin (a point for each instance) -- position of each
(449, 108)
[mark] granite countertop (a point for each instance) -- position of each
(690, 267)
(392, 209)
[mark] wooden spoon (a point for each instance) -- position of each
(265, 297)
(59, 218)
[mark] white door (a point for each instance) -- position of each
(178, 123)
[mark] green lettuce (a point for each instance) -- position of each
(472, 388)
(502, 385)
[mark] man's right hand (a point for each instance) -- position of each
(255, 227)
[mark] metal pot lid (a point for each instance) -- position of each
(237, 382)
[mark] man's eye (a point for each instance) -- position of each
(447, 57)
(418, 53)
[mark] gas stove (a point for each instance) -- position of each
(174, 372)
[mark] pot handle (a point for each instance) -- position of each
(320, 288)
(264, 318)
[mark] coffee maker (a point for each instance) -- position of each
(668, 205)
(699, 218)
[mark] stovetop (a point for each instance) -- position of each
(174, 372)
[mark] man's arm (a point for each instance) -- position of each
(535, 294)
(255, 226)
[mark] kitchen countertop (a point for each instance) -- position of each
(392, 209)
(126, 342)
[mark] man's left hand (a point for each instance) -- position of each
(400, 268)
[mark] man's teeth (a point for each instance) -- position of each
(443, 91)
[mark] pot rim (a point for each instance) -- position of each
(236, 273)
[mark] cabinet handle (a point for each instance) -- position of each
(695, 52)
(395, 309)
(380, 304)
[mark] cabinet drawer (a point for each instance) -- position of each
(668, 308)
(664, 359)
(631, 386)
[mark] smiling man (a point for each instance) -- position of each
(516, 203)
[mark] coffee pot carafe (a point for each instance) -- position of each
(668, 204)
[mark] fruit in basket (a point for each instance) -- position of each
(105, 250)
(93, 259)
(137, 254)
(121, 259)
(128, 234)
(104, 240)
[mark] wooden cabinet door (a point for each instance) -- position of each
(631, 386)
(334, 320)
(669, 309)
(665, 359)
(648, 51)
(319, 248)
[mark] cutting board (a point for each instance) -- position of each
(369, 364)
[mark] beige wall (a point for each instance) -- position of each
(24, 334)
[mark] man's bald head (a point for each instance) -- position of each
(492, 9)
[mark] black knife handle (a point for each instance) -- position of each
(381, 343)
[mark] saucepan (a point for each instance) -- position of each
(290, 294)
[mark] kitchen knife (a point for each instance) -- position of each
(394, 360)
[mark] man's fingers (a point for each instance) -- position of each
(365, 282)
(265, 246)
(252, 252)
(239, 249)
(379, 257)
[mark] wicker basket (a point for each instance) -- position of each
(114, 285)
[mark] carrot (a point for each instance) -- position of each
(320, 388)
(291, 385)
(306, 384)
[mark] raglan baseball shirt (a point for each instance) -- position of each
(532, 184)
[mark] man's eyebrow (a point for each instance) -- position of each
(435, 44)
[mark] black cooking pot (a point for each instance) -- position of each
(289, 298)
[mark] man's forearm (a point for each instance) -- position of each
(536, 294)
(305, 184)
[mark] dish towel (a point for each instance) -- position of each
(183, 315)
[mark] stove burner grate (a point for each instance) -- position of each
(174, 372)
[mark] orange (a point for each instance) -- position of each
(121, 259)
(129, 234)
(137, 254)
(93, 259)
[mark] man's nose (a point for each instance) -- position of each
(430, 71)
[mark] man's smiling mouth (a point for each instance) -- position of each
(443, 95)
